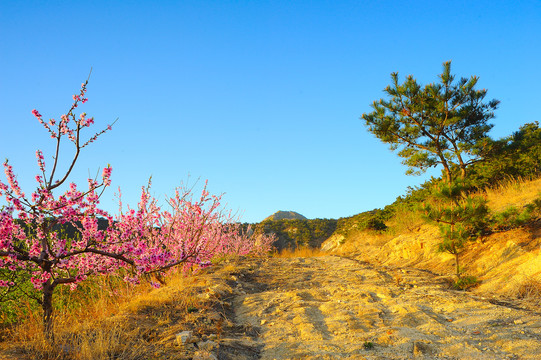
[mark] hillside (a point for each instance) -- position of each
(285, 215)
(506, 262)
(297, 233)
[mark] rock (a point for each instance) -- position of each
(208, 345)
(421, 348)
(448, 318)
(334, 242)
(184, 337)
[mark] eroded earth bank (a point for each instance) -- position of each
(332, 307)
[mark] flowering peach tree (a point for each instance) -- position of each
(139, 241)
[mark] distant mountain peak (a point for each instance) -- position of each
(286, 215)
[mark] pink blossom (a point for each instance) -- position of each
(36, 113)
(142, 239)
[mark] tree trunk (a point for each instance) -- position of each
(47, 306)
(461, 163)
(447, 169)
(457, 265)
(454, 248)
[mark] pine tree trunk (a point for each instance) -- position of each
(462, 171)
(448, 174)
(457, 265)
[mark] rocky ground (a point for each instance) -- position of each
(333, 307)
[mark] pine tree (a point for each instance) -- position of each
(460, 217)
(441, 123)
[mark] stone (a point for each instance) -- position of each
(448, 318)
(208, 345)
(184, 337)
(421, 348)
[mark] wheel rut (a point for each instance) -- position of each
(337, 308)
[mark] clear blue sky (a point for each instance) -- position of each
(262, 98)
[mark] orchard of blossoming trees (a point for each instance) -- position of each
(136, 242)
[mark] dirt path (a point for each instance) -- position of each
(336, 308)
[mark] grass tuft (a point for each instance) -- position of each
(529, 290)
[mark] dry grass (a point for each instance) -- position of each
(95, 330)
(300, 252)
(136, 323)
(84, 339)
(514, 192)
(528, 290)
(404, 221)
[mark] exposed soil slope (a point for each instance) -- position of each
(502, 262)
(333, 307)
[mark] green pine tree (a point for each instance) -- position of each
(460, 216)
(443, 123)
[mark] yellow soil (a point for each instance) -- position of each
(332, 307)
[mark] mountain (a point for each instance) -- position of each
(286, 215)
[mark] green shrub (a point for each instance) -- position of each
(459, 215)
(465, 283)
(517, 155)
(512, 217)
(375, 223)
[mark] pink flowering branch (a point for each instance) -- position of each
(31, 243)
(144, 240)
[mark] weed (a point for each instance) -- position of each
(465, 283)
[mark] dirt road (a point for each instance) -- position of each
(337, 308)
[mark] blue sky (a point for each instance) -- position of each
(262, 98)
